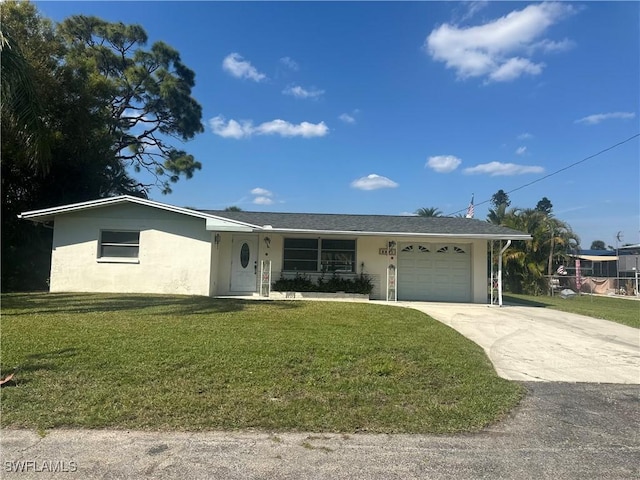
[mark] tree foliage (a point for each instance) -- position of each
(545, 206)
(19, 103)
(500, 202)
(497, 215)
(500, 198)
(144, 96)
(429, 212)
(96, 115)
(598, 245)
(526, 262)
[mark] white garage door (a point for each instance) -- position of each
(434, 272)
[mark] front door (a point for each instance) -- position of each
(244, 264)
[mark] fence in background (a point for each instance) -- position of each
(592, 285)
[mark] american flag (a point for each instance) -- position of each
(470, 211)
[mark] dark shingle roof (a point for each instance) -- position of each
(311, 222)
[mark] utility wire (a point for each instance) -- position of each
(556, 172)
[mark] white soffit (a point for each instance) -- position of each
(221, 225)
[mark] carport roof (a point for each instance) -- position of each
(403, 225)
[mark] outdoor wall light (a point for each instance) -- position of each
(216, 239)
(392, 244)
(267, 242)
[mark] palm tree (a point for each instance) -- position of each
(559, 239)
(523, 271)
(497, 215)
(525, 262)
(429, 212)
(20, 105)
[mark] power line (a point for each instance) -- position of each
(557, 171)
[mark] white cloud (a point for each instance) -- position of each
(300, 92)
(235, 65)
(230, 129)
(514, 68)
(349, 117)
(286, 129)
(262, 196)
(496, 49)
(443, 163)
(290, 63)
(601, 117)
(473, 8)
(525, 136)
(502, 169)
(346, 118)
(245, 128)
(549, 46)
(373, 182)
(263, 192)
(263, 201)
(521, 150)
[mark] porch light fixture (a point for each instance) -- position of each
(216, 239)
(392, 244)
(267, 242)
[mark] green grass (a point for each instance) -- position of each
(620, 310)
(193, 363)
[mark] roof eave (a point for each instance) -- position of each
(48, 214)
(478, 236)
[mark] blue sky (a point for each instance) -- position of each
(384, 108)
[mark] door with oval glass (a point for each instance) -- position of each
(244, 264)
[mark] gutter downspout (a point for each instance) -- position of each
(500, 272)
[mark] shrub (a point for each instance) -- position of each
(301, 283)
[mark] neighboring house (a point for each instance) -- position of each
(595, 263)
(128, 245)
(623, 262)
(629, 262)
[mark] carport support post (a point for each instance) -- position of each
(500, 271)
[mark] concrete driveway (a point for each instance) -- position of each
(539, 344)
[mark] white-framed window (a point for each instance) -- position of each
(319, 255)
(119, 244)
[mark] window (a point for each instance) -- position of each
(319, 255)
(338, 256)
(119, 244)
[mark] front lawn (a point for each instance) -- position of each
(618, 310)
(193, 363)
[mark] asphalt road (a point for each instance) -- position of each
(560, 431)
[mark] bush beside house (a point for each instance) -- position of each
(301, 283)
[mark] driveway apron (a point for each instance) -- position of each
(537, 344)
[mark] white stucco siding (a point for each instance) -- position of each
(273, 253)
(479, 272)
(223, 272)
(174, 254)
(375, 264)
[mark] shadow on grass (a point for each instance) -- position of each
(44, 303)
(35, 362)
(523, 302)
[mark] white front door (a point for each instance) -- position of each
(244, 264)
